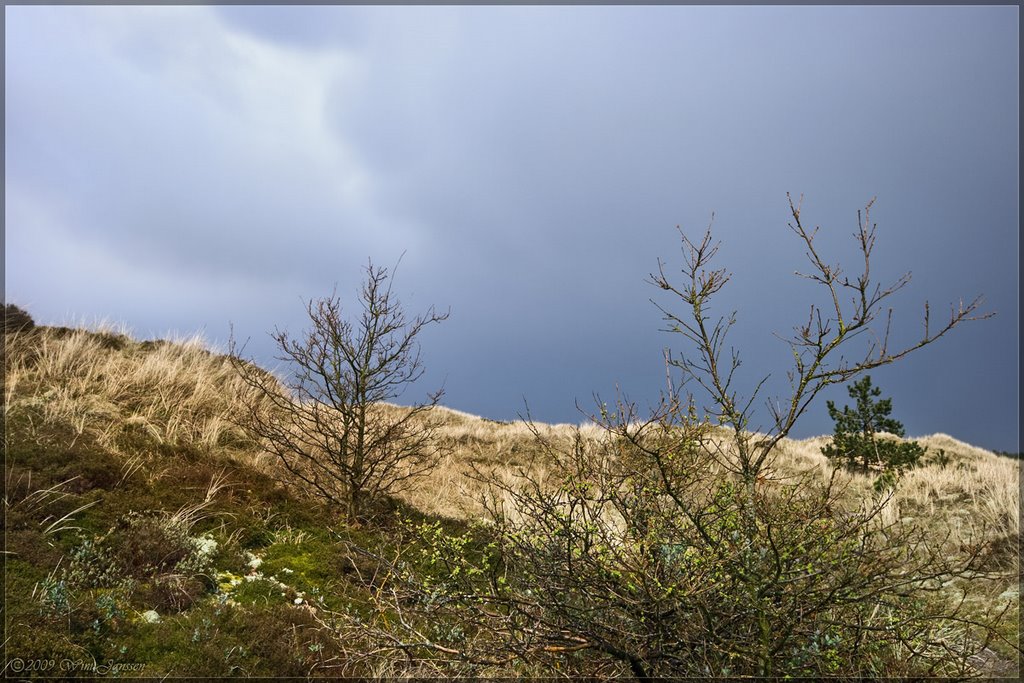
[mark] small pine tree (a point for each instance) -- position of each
(856, 432)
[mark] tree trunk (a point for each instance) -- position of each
(355, 500)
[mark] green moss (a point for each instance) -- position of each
(261, 591)
(221, 640)
(314, 559)
(20, 577)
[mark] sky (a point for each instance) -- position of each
(203, 169)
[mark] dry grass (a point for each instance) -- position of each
(122, 392)
(116, 389)
(477, 447)
(974, 495)
(119, 390)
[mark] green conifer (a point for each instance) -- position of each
(856, 437)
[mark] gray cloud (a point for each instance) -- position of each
(215, 164)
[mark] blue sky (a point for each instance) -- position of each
(182, 169)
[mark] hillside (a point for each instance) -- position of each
(148, 534)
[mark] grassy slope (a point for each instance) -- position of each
(128, 491)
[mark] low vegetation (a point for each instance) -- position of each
(155, 526)
(144, 530)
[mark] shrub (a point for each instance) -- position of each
(152, 558)
(634, 554)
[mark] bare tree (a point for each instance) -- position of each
(817, 346)
(330, 424)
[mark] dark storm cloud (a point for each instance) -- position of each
(558, 153)
(532, 163)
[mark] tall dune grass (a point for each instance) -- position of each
(122, 391)
(114, 388)
(974, 495)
